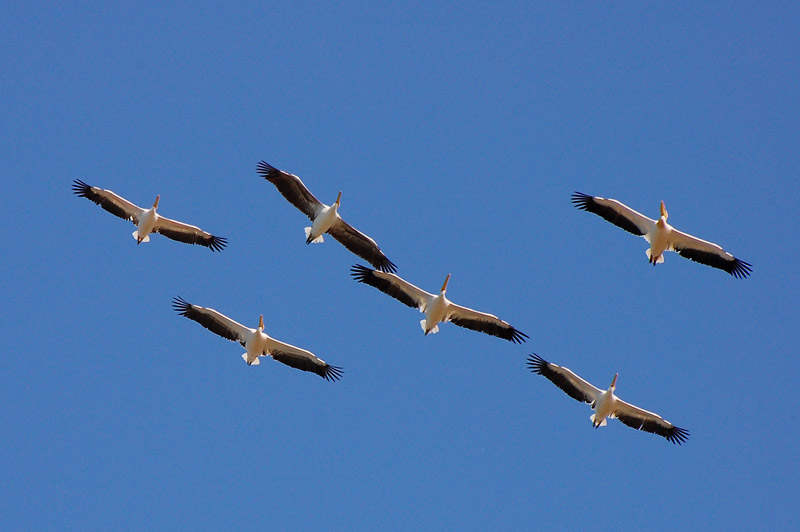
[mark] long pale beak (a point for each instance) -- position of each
(261, 321)
(614, 382)
(339, 198)
(664, 212)
(155, 203)
(444, 286)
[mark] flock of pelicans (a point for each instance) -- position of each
(437, 308)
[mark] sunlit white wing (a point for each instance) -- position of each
(391, 284)
(292, 188)
(189, 234)
(362, 245)
(213, 320)
(301, 359)
(564, 378)
(615, 212)
(113, 203)
(708, 253)
(641, 419)
(484, 322)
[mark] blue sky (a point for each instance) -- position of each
(456, 133)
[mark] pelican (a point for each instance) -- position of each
(604, 403)
(437, 308)
(147, 220)
(661, 236)
(325, 218)
(256, 342)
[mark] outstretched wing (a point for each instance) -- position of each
(292, 189)
(189, 234)
(564, 378)
(212, 320)
(709, 254)
(641, 419)
(615, 212)
(302, 359)
(113, 203)
(485, 323)
(362, 245)
(391, 284)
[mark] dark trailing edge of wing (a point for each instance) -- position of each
(290, 188)
(324, 370)
(362, 245)
(507, 333)
(214, 243)
(673, 434)
(539, 365)
(587, 203)
(185, 308)
(362, 274)
(82, 189)
(738, 268)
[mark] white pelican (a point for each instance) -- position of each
(147, 220)
(437, 308)
(256, 342)
(661, 236)
(604, 403)
(325, 218)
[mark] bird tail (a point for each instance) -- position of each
(601, 424)
(135, 235)
(659, 260)
(424, 324)
(255, 362)
(318, 240)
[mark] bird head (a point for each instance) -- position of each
(664, 212)
(444, 286)
(155, 203)
(614, 382)
(338, 199)
(261, 322)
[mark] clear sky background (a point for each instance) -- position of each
(457, 134)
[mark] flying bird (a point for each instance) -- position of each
(437, 308)
(325, 218)
(661, 236)
(147, 220)
(604, 403)
(255, 341)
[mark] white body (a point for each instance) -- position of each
(147, 222)
(435, 310)
(325, 219)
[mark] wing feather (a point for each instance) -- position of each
(708, 253)
(189, 234)
(615, 212)
(641, 419)
(564, 378)
(292, 188)
(302, 360)
(362, 245)
(113, 203)
(391, 284)
(485, 323)
(212, 320)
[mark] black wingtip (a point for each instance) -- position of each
(217, 243)
(536, 363)
(387, 266)
(741, 269)
(180, 305)
(581, 200)
(360, 273)
(80, 188)
(678, 435)
(332, 373)
(266, 170)
(517, 337)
